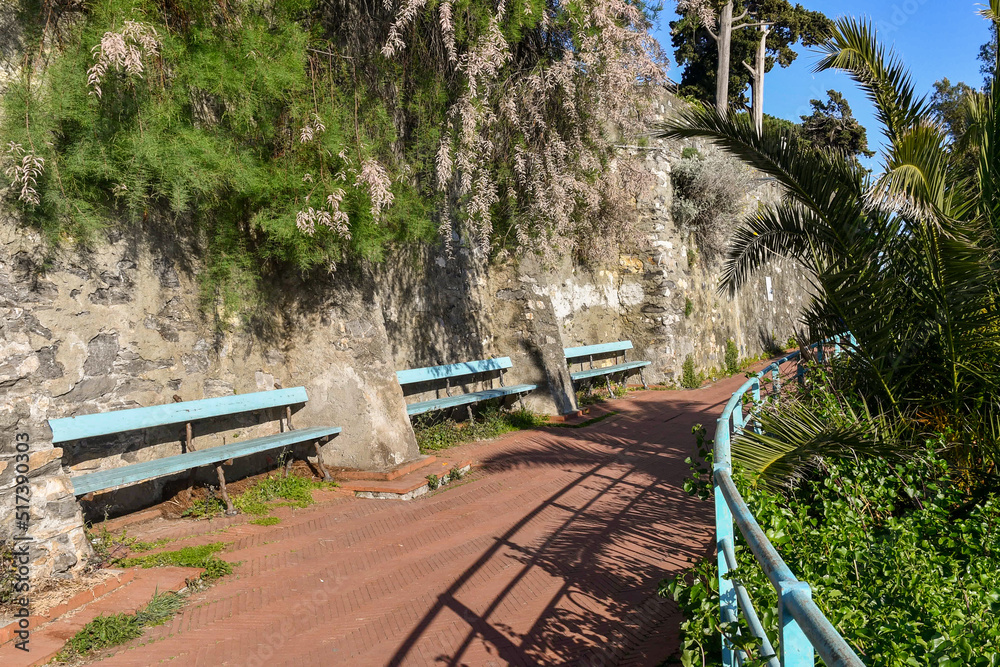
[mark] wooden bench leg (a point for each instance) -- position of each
(319, 463)
(189, 447)
(230, 510)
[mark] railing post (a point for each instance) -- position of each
(776, 380)
(728, 608)
(796, 650)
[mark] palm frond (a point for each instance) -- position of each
(794, 436)
(854, 48)
(786, 229)
(915, 183)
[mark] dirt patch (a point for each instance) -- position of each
(175, 506)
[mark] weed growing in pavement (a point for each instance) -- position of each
(434, 434)
(202, 556)
(112, 630)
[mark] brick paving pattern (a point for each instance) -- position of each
(548, 553)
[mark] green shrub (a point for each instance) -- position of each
(433, 482)
(689, 379)
(251, 116)
(732, 357)
(688, 307)
(899, 560)
(690, 153)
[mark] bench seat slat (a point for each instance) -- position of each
(120, 421)
(438, 373)
(464, 399)
(607, 370)
(138, 472)
(600, 348)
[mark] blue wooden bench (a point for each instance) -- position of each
(586, 354)
(449, 372)
(122, 421)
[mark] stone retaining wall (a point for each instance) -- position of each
(120, 325)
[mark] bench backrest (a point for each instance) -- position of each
(436, 373)
(601, 348)
(120, 421)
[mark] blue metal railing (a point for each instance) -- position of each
(803, 629)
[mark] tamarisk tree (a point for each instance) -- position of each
(294, 135)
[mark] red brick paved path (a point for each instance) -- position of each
(548, 554)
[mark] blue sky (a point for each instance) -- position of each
(935, 39)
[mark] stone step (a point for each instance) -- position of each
(408, 486)
(387, 475)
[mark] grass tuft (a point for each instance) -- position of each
(266, 521)
(202, 556)
(112, 630)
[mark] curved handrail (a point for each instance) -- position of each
(804, 630)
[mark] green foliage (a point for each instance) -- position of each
(266, 521)
(435, 433)
(906, 260)
(688, 307)
(692, 257)
(732, 357)
(690, 153)
(202, 556)
(899, 561)
(951, 106)
(455, 474)
(819, 416)
(689, 380)
(433, 482)
(832, 126)
(251, 115)
(100, 633)
(107, 631)
(697, 53)
(294, 488)
(204, 508)
(257, 499)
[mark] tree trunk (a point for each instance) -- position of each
(758, 80)
(724, 42)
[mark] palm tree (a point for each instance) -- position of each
(906, 260)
